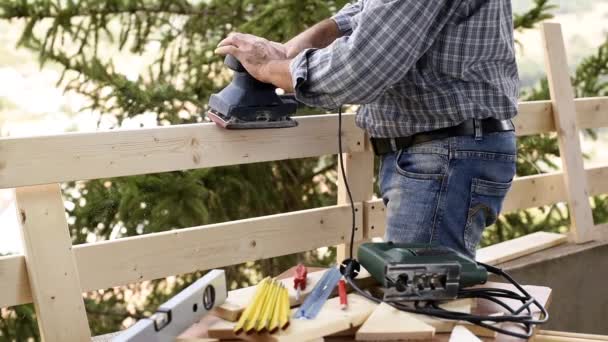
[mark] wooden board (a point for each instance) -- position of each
(186, 250)
(331, 319)
(537, 116)
(573, 335)
(461, 333)
(359, 170)
(80, 156)
(389, 324)
(124, 152)
(238, 300)
(152, 256)
(564, 113)
(53, 275)
(15, 284)
(443, 325)
(518, 247)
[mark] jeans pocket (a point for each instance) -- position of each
(419, 165)
(484, 207)
(411, 206)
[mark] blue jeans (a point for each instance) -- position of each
(447, 191)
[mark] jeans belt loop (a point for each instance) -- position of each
(394, 144)
(478, 130)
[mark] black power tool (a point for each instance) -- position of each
(247, 103)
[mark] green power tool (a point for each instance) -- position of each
(410, 272)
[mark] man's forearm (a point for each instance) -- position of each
(318, 36)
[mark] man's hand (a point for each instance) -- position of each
(255, 53)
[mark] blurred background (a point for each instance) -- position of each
(92, 64)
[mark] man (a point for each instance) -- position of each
(437, 82)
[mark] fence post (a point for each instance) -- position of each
(564, 114)
(50, 263)
(359, 169)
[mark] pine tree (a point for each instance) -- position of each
(82, 36)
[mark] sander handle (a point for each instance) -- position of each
(232, 63)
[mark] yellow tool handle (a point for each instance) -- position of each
(264, 319)
(276, 312)
(284, 319)
(252, 322)
(261, 288)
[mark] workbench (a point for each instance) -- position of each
(332, 318)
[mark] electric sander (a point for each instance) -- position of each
(247, 103)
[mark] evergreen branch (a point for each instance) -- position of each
(45, 9)
(538, 13)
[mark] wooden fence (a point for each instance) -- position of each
(53, 274)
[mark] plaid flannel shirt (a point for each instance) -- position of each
(415, 65)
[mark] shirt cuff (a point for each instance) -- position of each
(299, 68)
(343, 21)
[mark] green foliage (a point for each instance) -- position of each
(181, 34)
(539, 12)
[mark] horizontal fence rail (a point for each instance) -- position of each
(116, 153)
(152, 256)
(537, 116)
(81, 156)
(526, 192)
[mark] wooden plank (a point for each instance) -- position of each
(526, 192)
(550, 338)
(238, 300)
(331, 319)
(536, 117)
(139, 151)
(535, 191)
(15, 284)
(461, 333)
(181, 147)
(389, 324)
(444, 325)
(518, 247)
(152, 256)
(573, 335)
(592, 112)
(564, 113)
(181, 251)
(53, 276)
(359, 170)
(549, 188)
(376, 218)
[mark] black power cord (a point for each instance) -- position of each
(350, 195)
(521, 317)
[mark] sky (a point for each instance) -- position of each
(32, 104)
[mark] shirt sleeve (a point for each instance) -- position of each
(344, 16)
(390, 37)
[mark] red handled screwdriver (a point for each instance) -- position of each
(342, 294)
(299, 281)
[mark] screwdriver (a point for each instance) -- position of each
(299, 281)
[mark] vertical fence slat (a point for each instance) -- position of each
(51, 266)
(359, 169)
(564, 112)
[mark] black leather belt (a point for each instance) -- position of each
(383, 146)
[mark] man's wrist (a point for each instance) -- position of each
(277, 72)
